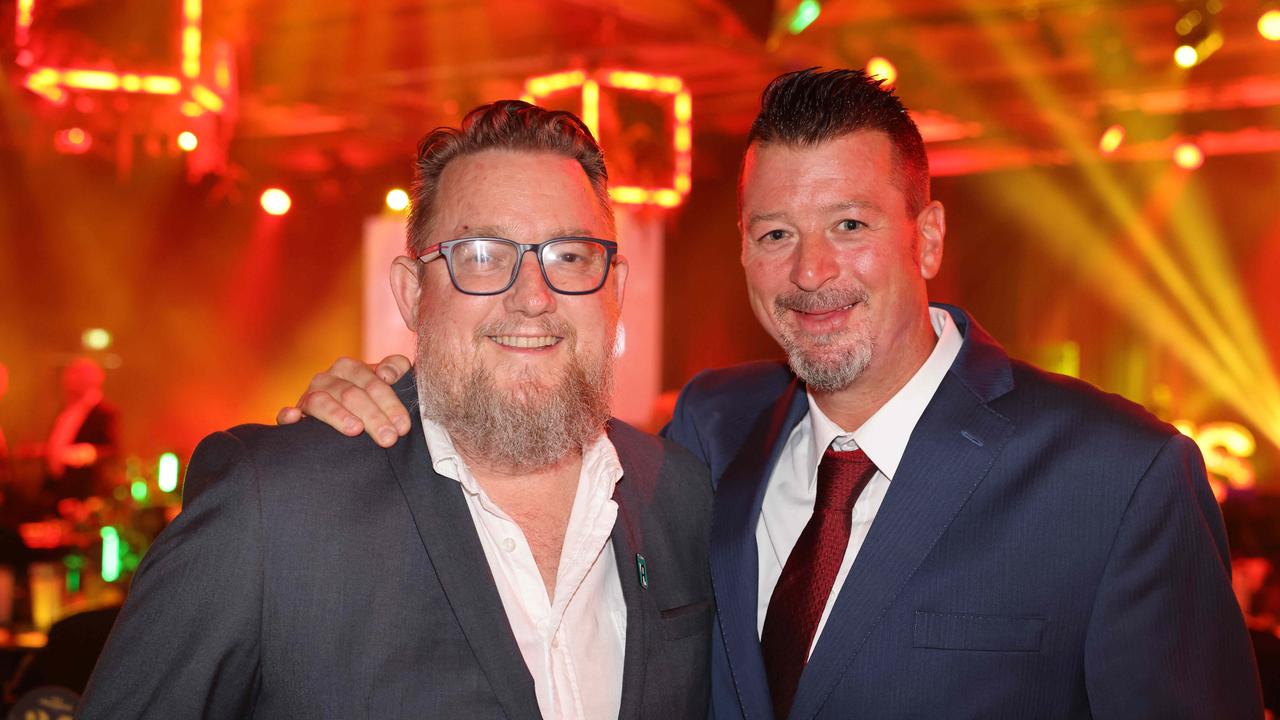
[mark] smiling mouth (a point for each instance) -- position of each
(525, 341)
(827, 311)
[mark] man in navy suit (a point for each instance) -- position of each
(907, 522)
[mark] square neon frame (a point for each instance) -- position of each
(682, 111)
(53, 83)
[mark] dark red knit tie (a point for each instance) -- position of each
(809, 573)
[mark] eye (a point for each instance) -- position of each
(773, 236)
(849, 225)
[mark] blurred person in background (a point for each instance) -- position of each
(83, 441)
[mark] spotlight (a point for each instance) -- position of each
(72, 141)
(1111, 139)
(188, 141)
(1269, 25)
(95, 339)
(1188, 156)
(275, 201)
(882, 70)
(1199, 33)
(398, 200)
(1186, 56)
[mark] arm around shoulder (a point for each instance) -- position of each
(186, 644)
(1166, 638)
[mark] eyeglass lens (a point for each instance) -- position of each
(485, 265)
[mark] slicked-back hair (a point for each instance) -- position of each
(501, 125)
(809, 107)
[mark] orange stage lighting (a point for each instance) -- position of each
(188, 141)
(1111, 139)
(883, 70)
(590, 85)
(1269, 25)
(397, 200)
(275, 201)
(72, 141)
(1186, 56)
(1188, 156)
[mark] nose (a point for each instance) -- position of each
(815, 263)
(530, 294)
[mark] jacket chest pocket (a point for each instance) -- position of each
(990, 633)
(686, 620)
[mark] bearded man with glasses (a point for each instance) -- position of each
(519, 554)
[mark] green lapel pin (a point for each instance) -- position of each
(642, 570)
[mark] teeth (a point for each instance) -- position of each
(523, 341)
(824, 312)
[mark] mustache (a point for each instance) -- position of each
(526, 326)
(818, 301)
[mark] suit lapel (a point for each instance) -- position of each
(734, 556)
(444, 523)
(627, 543)
(951, 450)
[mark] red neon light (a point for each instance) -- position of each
(682, 112)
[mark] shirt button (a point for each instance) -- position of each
(508, 544)
(555, 641)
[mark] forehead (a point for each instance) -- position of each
(523, 194)
(860, 166)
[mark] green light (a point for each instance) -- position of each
(74, 564)
(167, 474)
(806, 12)
(139, 490)
(110, 554)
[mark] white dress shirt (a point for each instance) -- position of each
(792, 489)
(572, 643)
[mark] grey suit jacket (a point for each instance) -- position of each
(312, 575)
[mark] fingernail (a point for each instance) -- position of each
(387, 438)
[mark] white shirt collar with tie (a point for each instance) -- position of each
(792, 490)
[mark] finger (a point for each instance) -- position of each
(392, 368)
(377, 423)
(323, 407)
(288, 415)
(353, 371)
(344, 373)
(391, 405)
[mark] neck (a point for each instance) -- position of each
(488, 470)
(852, 406)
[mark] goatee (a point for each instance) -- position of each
(824, 362)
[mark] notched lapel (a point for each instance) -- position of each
(444, 523)
(940, 469)
(735, 568)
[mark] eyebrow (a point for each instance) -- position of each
(835, 207)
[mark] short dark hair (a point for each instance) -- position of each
(501, 125)
(809, 107)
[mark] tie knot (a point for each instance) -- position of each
(841, 477)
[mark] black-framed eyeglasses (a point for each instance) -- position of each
(489, 266)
